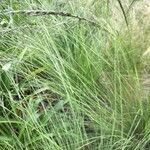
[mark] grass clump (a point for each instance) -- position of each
(68, 83)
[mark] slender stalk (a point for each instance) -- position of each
(123, 11)
(44, 12)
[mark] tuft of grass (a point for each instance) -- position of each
(66, 84)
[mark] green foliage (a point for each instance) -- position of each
(66, 84)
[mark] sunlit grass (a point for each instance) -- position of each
(67, 84)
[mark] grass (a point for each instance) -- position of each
(70, 84)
